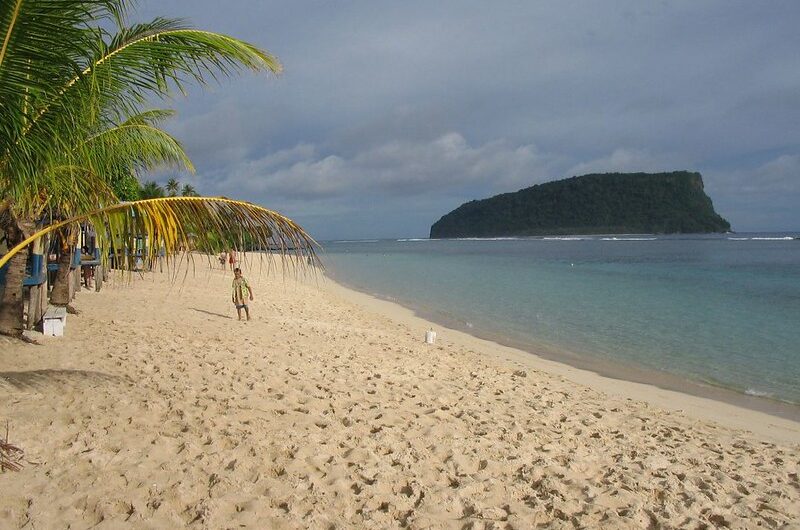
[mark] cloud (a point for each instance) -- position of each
(760, 198)
(398, 168)
(629, 160)
(779, 175)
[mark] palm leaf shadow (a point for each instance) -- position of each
(49, 379)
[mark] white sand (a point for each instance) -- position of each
(328, 411)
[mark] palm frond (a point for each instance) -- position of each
(144, 60)
(176, 50)
(66, 188)
(41, 46)
(172, 225)
(82, 178)
(51, 32)
(134, 145)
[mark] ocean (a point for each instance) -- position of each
(719, 310)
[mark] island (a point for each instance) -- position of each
(609, 203)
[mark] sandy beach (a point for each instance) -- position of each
(327, 410)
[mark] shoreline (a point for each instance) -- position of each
(764, 417)
(689, 317)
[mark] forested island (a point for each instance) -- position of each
(610, 203)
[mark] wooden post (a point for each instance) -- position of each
(43, 297)
(77, 280)
(71, 284)
(99, 272)
(35, 297)
(33, 303)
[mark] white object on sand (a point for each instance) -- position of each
(430, 337)
(54, 320)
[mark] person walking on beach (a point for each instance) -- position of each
(232, 259)
(240, 291)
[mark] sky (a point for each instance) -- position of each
(390, 114)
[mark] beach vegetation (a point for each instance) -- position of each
(151, 190)
(188, 191)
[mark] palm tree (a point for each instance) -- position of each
(189, 191)
(151, 190)
(69, 86)
(172, 187)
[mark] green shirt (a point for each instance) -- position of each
(240, 291)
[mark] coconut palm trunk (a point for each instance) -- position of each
(12, 304)
(60, 294)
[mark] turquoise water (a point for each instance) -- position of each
(721, 309)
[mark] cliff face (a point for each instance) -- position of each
(611, 203)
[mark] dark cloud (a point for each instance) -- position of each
(389, 114)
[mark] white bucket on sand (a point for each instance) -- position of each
(430, 337)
